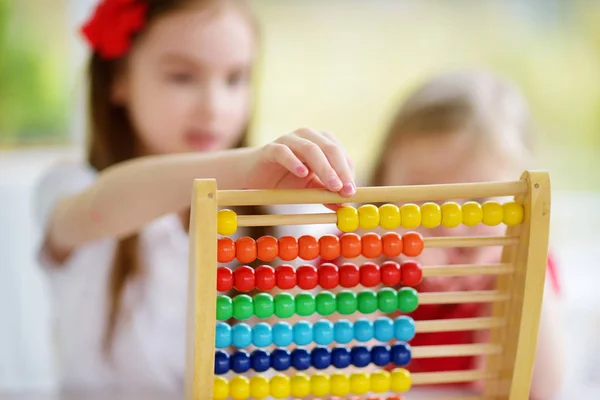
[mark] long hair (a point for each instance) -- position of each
(112, 139)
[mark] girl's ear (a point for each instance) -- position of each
(120, 87)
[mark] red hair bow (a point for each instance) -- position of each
(114, 22)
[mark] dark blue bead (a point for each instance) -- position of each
(361, 356)
(221, 362)
(240, 361)
(401, 354)
(300, 359)
(381, 355)
(321, 357)
(260, 360)
(281, 359)
(340, 357)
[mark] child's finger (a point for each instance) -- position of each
(334, 139)
(281, 154)
(315, 159)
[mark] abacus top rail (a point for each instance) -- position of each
(390, 194)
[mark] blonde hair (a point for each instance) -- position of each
(490, 109)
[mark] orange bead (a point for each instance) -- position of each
(329, 247)
(288, 248)
(245, 250)
(267, 248)
(350, 245)
(225, 250)
(308, 247)
(412, 244)
(392, 244)
(371, 245)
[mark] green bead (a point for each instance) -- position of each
(367, 302)
(305, 304)
(387, 300)
(263, 305)
(346, 302)
(408, 299)
(224, 307)
(284, 305)
(325, 303)
(242, 307)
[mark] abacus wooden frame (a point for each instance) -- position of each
(519, 291)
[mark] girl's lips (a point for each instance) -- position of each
(202, 141)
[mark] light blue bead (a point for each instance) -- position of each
(241, 335)
(282, 334)
(262, 335)
(343, 331)
(223, 335)
(323, 332)
(404, 328)
(363, 330)
(384, 329)
(303, 333)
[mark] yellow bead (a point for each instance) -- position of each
(451, 214)
(347, 219)
(340, 384)
(359, 383)
(226, 222)
(239, 388)
(401, 380)
(320, 384)
(300, 385)
(472, 214)
(368, 216)
(493, 213)
(513, 213)
(380, 382)
(280, 386)
(389, 216)
(410, 214)
(220, 388)
(431, 215)
(259, 387)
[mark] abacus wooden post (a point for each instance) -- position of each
(201, 318)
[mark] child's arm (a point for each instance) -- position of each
(130, 194)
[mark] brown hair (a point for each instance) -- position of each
(487, 107)
(112, 140)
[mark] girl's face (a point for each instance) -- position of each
(441, 159)
(186, 82)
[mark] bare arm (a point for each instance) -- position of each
(132, 193)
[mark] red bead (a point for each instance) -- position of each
(285, 276)
(412, 273)
(307, 277)
(350, 244)
(243, 278)
(391, 243)
(224, 279)
(288, 248)
(329, 247)
(395, 398)
(225, 250)
(412, 244)
(265, 278)
(245, 249)
(390, 273)
(370, 275)
(371, 245)
(308, 247)
(267, 248)
(328, 276)
(349, 275)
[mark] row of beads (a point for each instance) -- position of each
(302, 385)
(428, 215)
(323, 332)
(327, 276)
(320, 358)
(328, 247)
(346, 302)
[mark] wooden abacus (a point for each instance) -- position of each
(516, 299)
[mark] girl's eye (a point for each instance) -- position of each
(180, 77)
(236, 78)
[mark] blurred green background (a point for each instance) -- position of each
(345, 66)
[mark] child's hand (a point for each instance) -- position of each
(305, 158)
